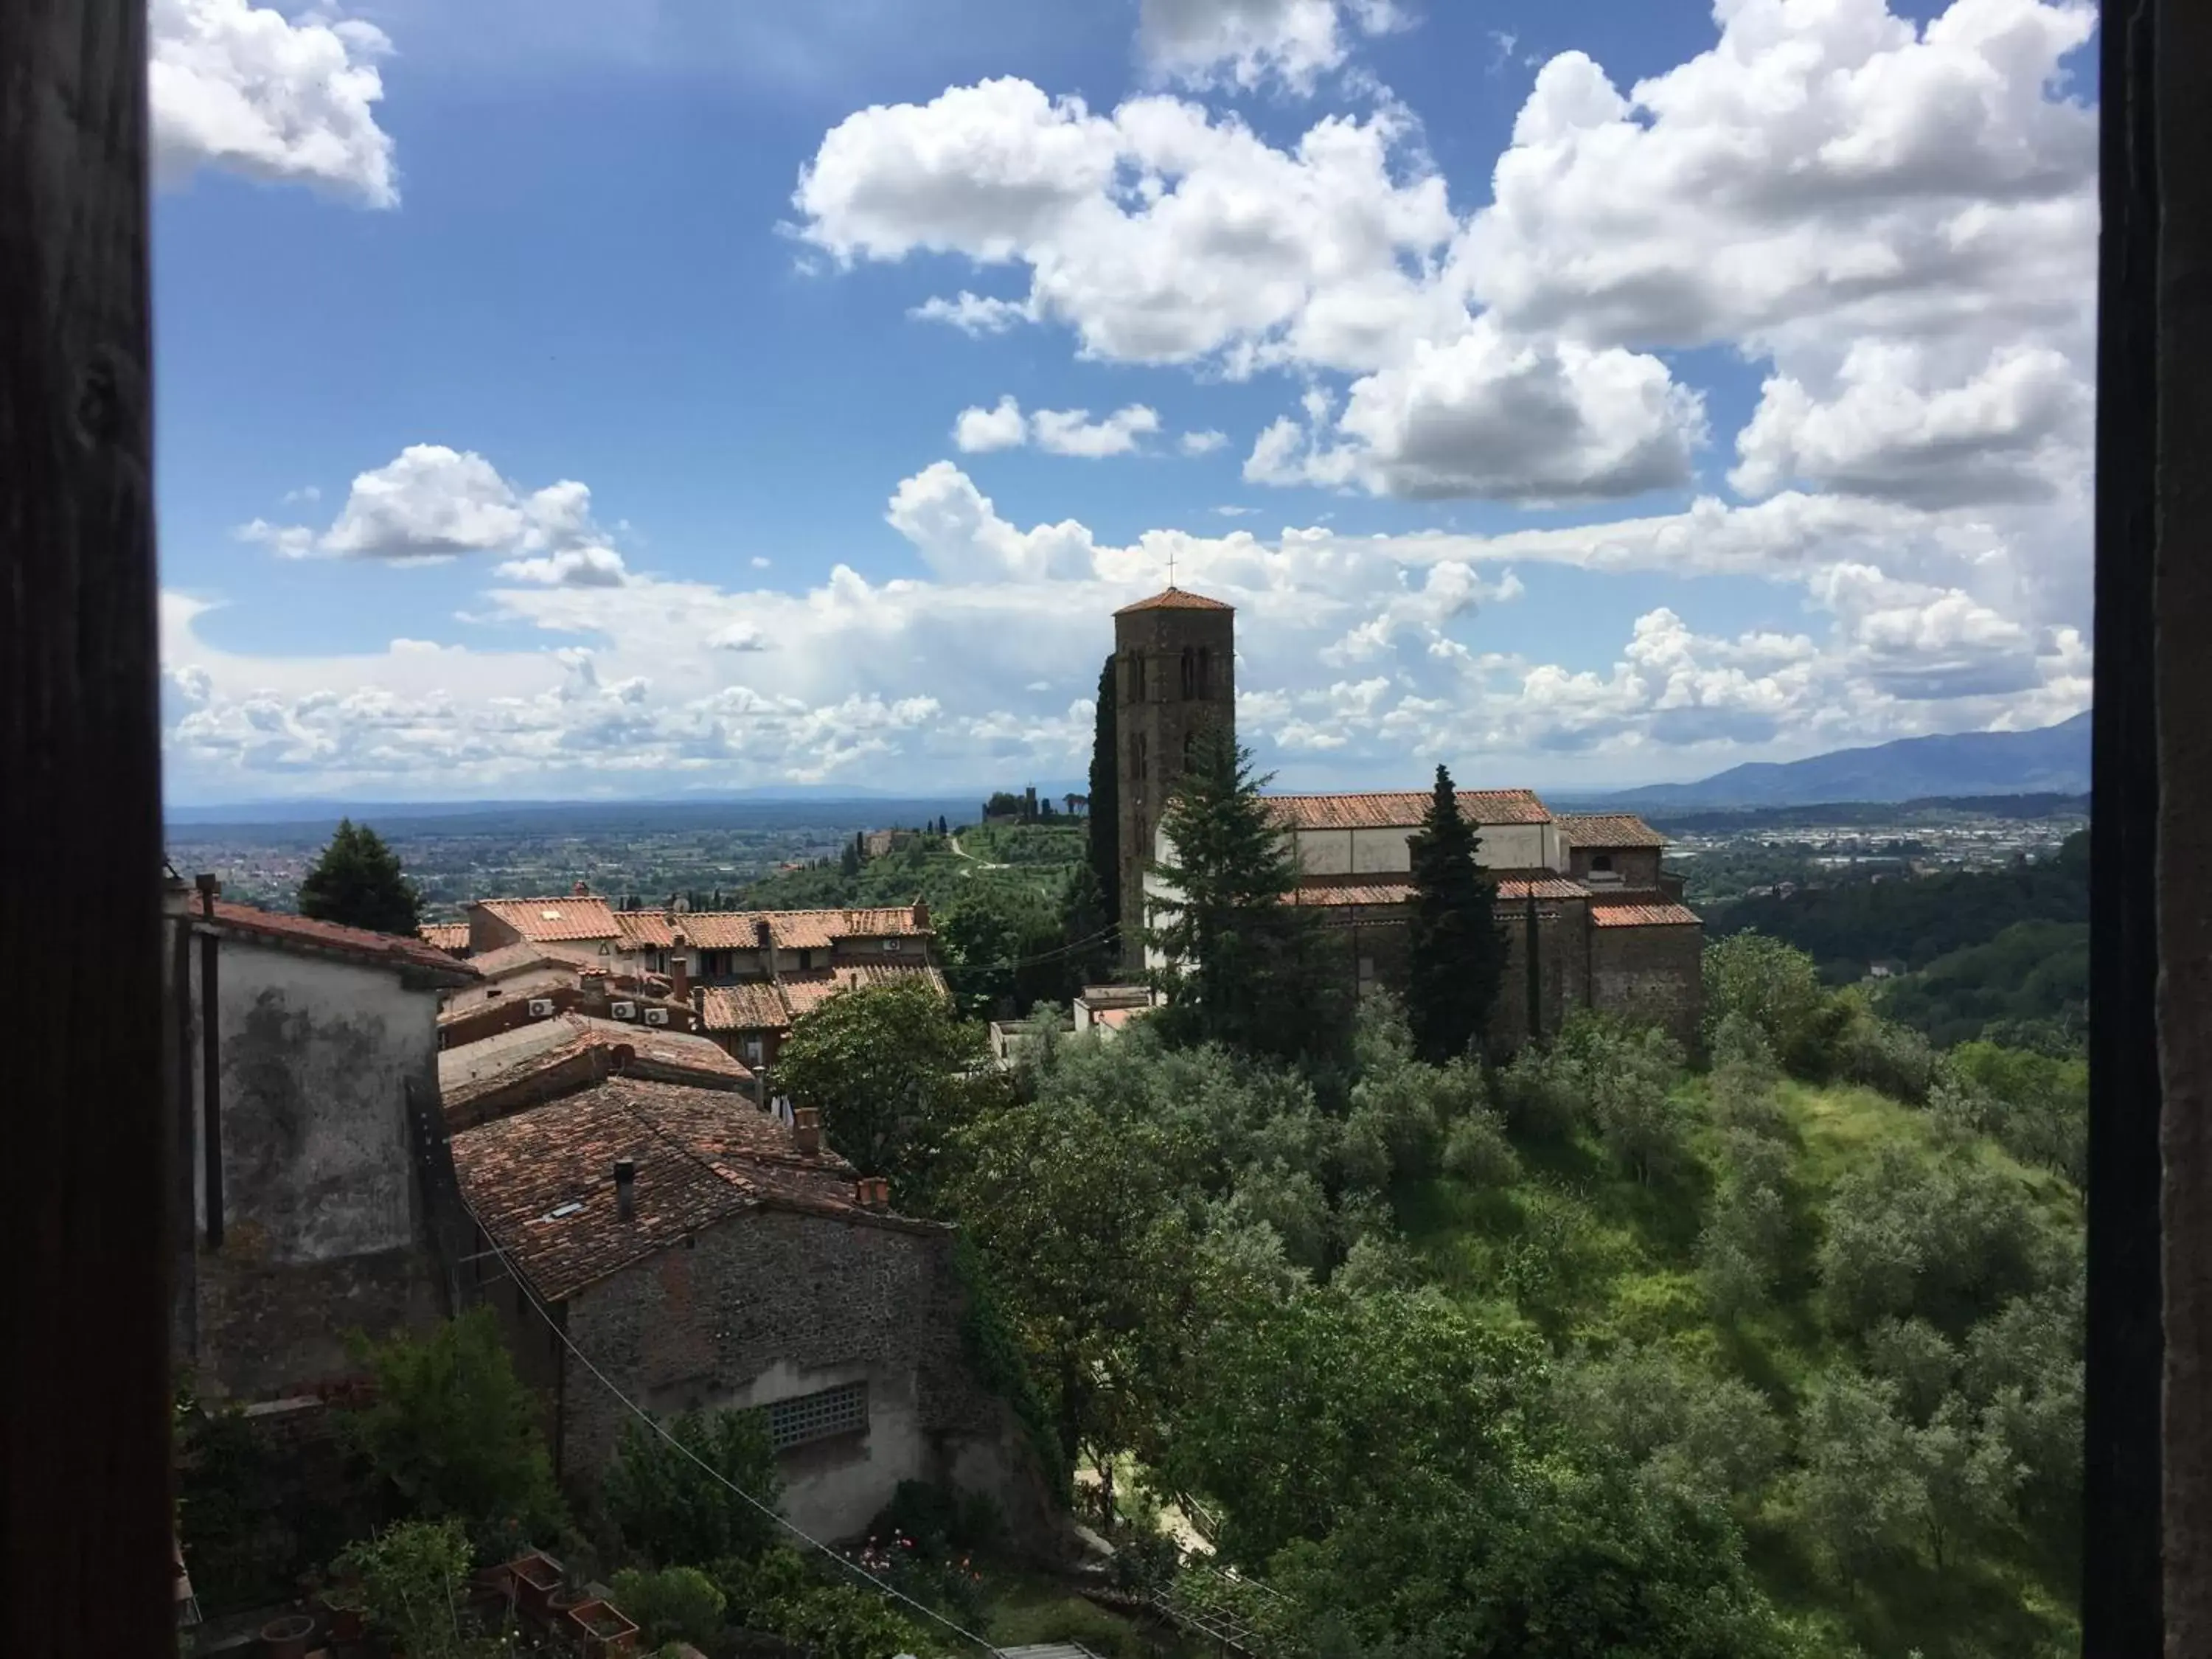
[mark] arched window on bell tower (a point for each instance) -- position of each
(1189, 673)
(1205, 672)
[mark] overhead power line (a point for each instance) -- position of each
(530, 1296)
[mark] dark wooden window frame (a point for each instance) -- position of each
(85, 1472)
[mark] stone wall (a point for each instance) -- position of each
(1647, 974)
(325, 1221)
(1638, 867)
(1653, 975)
(771, 1305)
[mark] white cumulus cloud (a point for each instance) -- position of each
(431, 502)
(1249, 41)
(247, 90)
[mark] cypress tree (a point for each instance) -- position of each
(1250, 970)
(358, 882)
(1455, 953)
(1105, 843)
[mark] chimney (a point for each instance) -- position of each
(763, 935)
(625, 1189)
(806, 1131)
(921, 913)
(679, 970)
(210, 889)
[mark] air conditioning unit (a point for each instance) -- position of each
(541, 1007)
(624, 1010)
(656, 1017)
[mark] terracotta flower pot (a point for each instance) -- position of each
(606, 1634)
(346, 1624)
(288, 1637)
(536, 1577)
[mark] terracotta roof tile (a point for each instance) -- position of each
(571, 916)
(702, 1156)
(1521, 889)
(1511, 888)
(1645, 915)
(1402, 808)
(1355, 892)
(1175, 598)
(738, 930)
(754, 1005)
(285, 931)
(447, 936)
(469, 1069)
(806, 992)
(1607, 829)
(761, 1006)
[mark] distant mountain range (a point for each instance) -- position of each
(2050, 759)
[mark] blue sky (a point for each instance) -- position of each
(564, 399)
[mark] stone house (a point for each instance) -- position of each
(702, 1254)
(315, 1173)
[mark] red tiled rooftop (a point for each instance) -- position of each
(1384, 890)
(701, 1156)
(1525, 888)
(1175, 598)
(766, 1006)
(469, 1069)
(739, 930)
(286, 931)
(1607, 829)
(570, 916)
(1643, 915)
(754, 1005)
(1402, 808)
(445, 935)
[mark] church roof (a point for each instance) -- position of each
(1391, 809)
(1175, 598)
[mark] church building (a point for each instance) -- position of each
(1591, 919)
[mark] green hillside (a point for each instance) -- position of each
(1020, 861)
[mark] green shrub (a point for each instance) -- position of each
(675, 1604)
(674, 1512)
(454, 1432)
(412, 1577)
(1476, 1151)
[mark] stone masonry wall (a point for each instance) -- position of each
(1652, 976)
(771, 1305)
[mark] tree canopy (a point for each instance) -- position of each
(1246, 967)
(1455, 953)
(889, 1067)
(358, 882)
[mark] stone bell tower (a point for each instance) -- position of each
(1174, 657)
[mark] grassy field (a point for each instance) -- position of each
(1596, 1258)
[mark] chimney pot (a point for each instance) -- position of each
(625, 1189)
(210, 889)
(806, 1131)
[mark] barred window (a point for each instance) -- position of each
(812, 1417)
